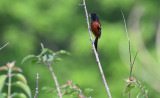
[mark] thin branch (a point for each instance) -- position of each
(42, 45)
(135, 57)
(129, 47)
(9, 81)
(55, 79)
(131, 65)
(53, 75)
(96, 54)
(4, 46)
(36, 86)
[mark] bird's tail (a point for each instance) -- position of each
(96, 43)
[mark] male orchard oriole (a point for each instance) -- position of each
(96, 28)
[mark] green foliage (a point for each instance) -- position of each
(28, 57)
(74, 90)
(21, 78)
(132, 84)
(61, 24)
(141, 95)
(20, 82)
(2, 81)
(23, 86)
(128, 89)
(46, 56)
(18, 95)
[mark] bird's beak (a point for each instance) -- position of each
(89, 15)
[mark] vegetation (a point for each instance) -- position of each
(61, 25)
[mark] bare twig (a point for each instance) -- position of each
(36, 86)
(146, 59)
(130, 55)
(53, 75)
(96, 54)
(9, 81)
(4, 46)
(131, 65)
(135, 57)
(42, 45)
(55, 79)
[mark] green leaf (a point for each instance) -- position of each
(128, 89)
(77, 86)
(18, 95)
(58, 59)
(35, 61)
(28, 57)
(50, 58)
(46, 51)
(88, 90)
(75, 94)
(49, 89)
(17, 69)
(21, 78)
(63, 52)
(3, 68)
(23, 86)
(2, 81)
(68, 91)
(44, 58)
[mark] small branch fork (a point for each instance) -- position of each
(96, 54)
(53, 75)
(132, 63)
(36, 86)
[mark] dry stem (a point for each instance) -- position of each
(53, 75)
(36, 86)
(96, 54)
(4, 46)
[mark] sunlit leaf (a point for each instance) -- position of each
(28, 57)
(128, 89)
(46, 51)
(2, 68)
(50, 58)
(68, 91)
(75, 95)
(2, 81)
(18, 95)
(17, 69)
(87, 90)
(77, 86)
(49, 89)
(58, 59)
(23, 86)
(63, 52)
(21, 78)
(44, 58)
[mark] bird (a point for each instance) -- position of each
(95, 28)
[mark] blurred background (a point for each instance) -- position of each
(61, 24)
